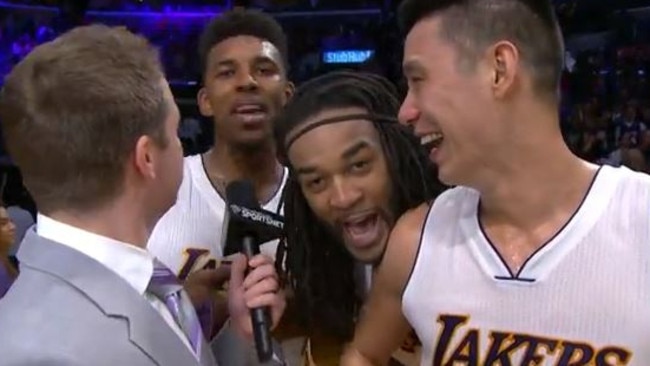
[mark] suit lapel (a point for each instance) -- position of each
(116, 298)
(207, 357)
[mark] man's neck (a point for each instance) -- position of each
(537, 177)
(533, 189)
(124, 225)
(225, 163)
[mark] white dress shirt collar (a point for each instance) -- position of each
(133, 264)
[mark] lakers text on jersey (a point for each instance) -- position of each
(188, 237)
(582, 299)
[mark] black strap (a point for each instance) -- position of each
(378, 118)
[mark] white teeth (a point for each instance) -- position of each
(430, 138)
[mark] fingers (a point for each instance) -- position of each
(261, 267)
(276, 302)
(260, 260)
(263, 300)
(238, 270)
(260, 288)
(267, 285)
(273, 300)
(259, 274)
(262, 285)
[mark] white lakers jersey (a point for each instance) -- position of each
(582, 299)
(188, 237)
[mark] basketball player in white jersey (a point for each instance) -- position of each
(245, 85)
(353, 172)
(243, 57)
(536, 257)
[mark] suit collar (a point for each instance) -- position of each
(114, 296)
(132, 263)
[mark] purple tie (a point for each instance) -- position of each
(166, 286)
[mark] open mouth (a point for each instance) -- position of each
(432, 140)
(250, 112)
(362, 231)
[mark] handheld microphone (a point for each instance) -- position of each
(247, 226)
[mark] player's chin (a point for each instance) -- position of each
(252, 139)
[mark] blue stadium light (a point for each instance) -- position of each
(185, 14)
(5, 5)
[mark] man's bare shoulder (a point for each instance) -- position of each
(402, 249)
(409, 227)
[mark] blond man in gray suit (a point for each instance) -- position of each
(90, 120)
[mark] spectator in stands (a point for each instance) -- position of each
(615, 158)
(7, 270)
(18, 204)
(22, 221)
(631, 123)
(633, 159)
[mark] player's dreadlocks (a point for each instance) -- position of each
(318, 267)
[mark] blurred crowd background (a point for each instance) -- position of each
(606, 105)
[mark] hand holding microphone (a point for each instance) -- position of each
(258, 290)
(255, 300)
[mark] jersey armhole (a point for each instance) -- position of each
(417, 253)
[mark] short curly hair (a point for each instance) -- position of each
(242, 22)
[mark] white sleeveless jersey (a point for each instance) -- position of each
(188, 237)
(582, 299)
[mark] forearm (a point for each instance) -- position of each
(381, 330)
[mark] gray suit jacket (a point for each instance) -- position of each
(67, 309)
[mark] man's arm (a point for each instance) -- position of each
(382, 327)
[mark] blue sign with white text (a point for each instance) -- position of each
(347, 56)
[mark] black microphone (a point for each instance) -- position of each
(247, 226)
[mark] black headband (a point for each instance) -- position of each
(376, 118)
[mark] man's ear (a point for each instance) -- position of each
(143, 157)
(289, 89)
(505, 68)
(203, 102)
